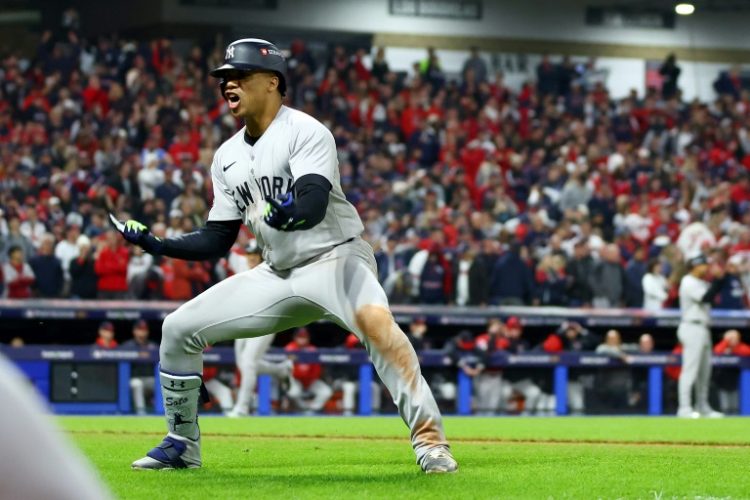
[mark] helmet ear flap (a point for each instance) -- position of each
(223, 85)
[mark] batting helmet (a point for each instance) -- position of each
(250, 54)
(696, 261)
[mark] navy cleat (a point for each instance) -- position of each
(172, 453)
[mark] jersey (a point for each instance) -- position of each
(694, 310)
(244, 175)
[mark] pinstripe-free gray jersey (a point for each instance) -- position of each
(244, 175)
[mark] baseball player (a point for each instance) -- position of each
(248, 354)
(141, 375)
(696, 295)
(279, 176)
(489, 383)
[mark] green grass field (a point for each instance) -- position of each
(655, 458)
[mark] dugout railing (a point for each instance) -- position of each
(40, 363)
(69, 309)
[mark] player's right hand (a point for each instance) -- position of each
(279, 212)
(137, 234)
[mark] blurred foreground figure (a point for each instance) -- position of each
(36, 461)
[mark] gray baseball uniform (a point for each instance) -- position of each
(248, 354)
(326, 272)
(695, 337)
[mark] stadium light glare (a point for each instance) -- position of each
(684, 9)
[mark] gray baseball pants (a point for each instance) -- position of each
(341, 286)
(696, 365)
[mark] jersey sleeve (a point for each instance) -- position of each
(313, 152)
(224, 207)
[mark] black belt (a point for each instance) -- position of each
(344, 242)
(695, 322)
(313, 258)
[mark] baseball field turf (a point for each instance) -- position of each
(307, 457)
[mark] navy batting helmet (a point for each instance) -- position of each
(250, 54)
(696, 261)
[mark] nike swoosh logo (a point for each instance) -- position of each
(227, 167)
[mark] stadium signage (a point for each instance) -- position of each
(594, 360)
(62, 354)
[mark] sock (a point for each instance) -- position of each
(181, 393)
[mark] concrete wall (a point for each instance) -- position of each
(536, 19)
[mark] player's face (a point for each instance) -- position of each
(247, 92)
(700, 270)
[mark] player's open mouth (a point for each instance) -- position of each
(232, 99)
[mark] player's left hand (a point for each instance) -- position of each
(279, 212)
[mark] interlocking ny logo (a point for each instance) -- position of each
(173, 383)
(230, 52)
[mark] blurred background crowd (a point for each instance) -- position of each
(471, 193)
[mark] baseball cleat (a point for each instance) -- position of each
(439, 461)
(710, 413)
(172, 453)
(236, 414)
(687, 413)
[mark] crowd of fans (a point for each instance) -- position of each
(471, 193)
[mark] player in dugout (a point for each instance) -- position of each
(279, 175)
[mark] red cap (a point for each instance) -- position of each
(351, 342)
(302, 332)
(513, 322)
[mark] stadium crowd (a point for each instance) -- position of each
(470, 192)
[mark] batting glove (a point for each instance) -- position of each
(137, 234)
(279, 213)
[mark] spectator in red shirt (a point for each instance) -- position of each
(182, 280)
(183, 149)
(17, 275)
(673, 372)
(112, 266)
(94, 96)
(307, 390)
(727, 379)
(106, 336)
(740, 190)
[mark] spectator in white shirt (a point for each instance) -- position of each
(150, 178)
(67, 250)
(655, 287)
(33, 228)
(139, 267)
